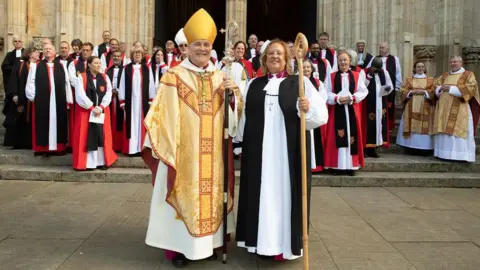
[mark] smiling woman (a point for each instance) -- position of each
(269, 130)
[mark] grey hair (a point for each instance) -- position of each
(353, 57)
(457, 57)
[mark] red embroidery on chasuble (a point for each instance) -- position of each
(204, 103)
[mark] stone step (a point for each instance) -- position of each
(362, 179)
(26, 157)
(389, 162)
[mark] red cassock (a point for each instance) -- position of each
(323, 133)
(331, 150)
(259, 73)
(248, 68)
(115, 111)
(175, 63)
(82, 117)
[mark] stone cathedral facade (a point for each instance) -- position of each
(431, 30)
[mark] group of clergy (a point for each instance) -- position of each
(91, 102)
(439, 115)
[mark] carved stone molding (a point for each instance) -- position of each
(424, 52)
(2, 42)
(471, 54)
(37, 42)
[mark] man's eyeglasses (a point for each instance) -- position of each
(182, 45)
(17, 41)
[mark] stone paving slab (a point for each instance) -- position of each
(113, 255)
(103, 226)
(435, 256)
(371, 261)
(410, 225)
(462, 222)
(24, 254)
(424, 198)
(349, 233)
(19, 189)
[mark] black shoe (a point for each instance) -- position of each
(334, 172)
(351, 172)
(372, 152)
(103, 168)
(263, 257)
(180, 261)
(214, 257)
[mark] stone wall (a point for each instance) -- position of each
(64, 20)
(128, 20)
(431, 30)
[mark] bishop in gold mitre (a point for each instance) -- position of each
(456, 113)
(184, 150)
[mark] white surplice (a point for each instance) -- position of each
(72, 73)
(30, 91)
(165, 231)
(380, 93)
(398, 68)
(452, 147)
(94, 158)
(159, 71)
(135, 141)
(323, 55)
(274, 225)
(415, 140)
(344, 153)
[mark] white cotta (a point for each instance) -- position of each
(274, 225)
(451, 147)
(415, 140)
(345, 161)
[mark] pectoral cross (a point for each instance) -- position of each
(270, 105)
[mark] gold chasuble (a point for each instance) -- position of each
(451, 114)
(185, 128)
(418, 113)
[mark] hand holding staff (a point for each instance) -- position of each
(300, 49)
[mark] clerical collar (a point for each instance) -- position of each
(190, 66)
(282, 74)
(205, 67)
(420, 76)
(461, 70)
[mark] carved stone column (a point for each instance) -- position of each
(425, 53)
(471, 60)
(1, 75)
(237, 9)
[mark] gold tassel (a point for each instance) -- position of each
(244, 75)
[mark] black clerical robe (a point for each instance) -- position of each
(251, 171)
(20, 114)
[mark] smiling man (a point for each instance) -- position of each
(183, 148)
(456, 114)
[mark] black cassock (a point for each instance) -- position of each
(22, 121)
(9, 65)
(251, 171)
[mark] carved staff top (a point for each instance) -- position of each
(230, 33)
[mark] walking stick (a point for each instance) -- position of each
(300, 49)
(227, 60)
